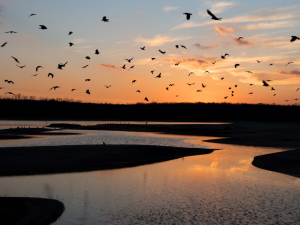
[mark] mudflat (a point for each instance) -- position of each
(62, 159)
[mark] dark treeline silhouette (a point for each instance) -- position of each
(67, 109)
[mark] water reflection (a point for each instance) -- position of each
(218, 188)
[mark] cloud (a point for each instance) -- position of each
(79, 41)
(108, 66)
(272, 25)
(224, 31)
(221, 6)
(159, 40)
(169, 8)
(206, 47)
(292, 73)
(199, 62)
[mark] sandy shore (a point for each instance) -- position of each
(61, 159)
(29, 211)
(287, 162)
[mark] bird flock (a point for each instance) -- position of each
(265, 83)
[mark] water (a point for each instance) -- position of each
(218, 188)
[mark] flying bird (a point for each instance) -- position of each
(87, 57)
(71, 44)
(240, 38)
(190, 84)
(298, 89)
(222, 78)
(288, 63)
(152, 71)
(88, 92)
(206, 72)
(248, 71)
(170, 85)
(54, 88)
(143, 48)
(129, 60)
(235, 86)
(236, 65)
(177, 46)
(104, 19)
(50, 75)
(224, 56)
(153, 58)
(294, 38)
(123, 67)
(251, 84)
(188, 15)
(36, 69)
(146, 99)
(199, 90)
(70, 32)
(21, 66)
(16, 59)
(85, 66)
(42, 27)
(133, 81)
(162, 52)
(138, 91)
(271, 64)
(3, 44)
(11, 32)
(258, 61)
(272, 89)
(203, 85)
(73, 89)
(131, 67)
(191, 73)
(213, 62)
(32, 14)
(265, 83)
(34, 75)
(87, 79)
(225, 97)
(213, 17)
(176, 64)
(97, 52)
(250, 93)
(182, 46)
(158, 76)
(167, 88)
(9, 93)
(107, 86)
(9, 81)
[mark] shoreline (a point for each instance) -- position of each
(26, 211)
(83, 158)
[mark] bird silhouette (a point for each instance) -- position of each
(229, 88)
(16, 59)
(9, 81)
(213, 17)
(85, 66)
(235, 86)
(97, 52)
(133, 81)
(176, 64)
(21, 66)
(11, 32)
(265, 83)
(170, 85)
(182, 46)
(152, 71)
(224, 56)
(3, 44)
(129, 60)
(294, 38)
(188, 15)
(34, 75)
(50, 75)
(225, 97)
(271, 64)
(191, 73)
(199, 90)
(60, 66)
(88, 92)
(298, 89)
(274, 95)
(190, 84)
(289, 63)
(258, 61)
(71, 44)
(272, 89)
(107, 86)
(206, 72)
(158, 76)
(167, 88)
(143, 48)
(146, 99)
(87, 80)
(240, 38)
(162, 52)
(248, 71)
(54, 88)
(87, 57)
(32, 14)
(9, 93)
(131, 68)
(123, 67)
(36, 69)
(213, 62)
(70, 32)
(153, 58)
(176, 46)
(138, 91)
(250, 93)
(222, 78)
(104, 19)
(251, 84)
(236, 65)
(73, 89)
(203, 85)
(43, 27)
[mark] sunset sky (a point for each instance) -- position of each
(267, 27)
